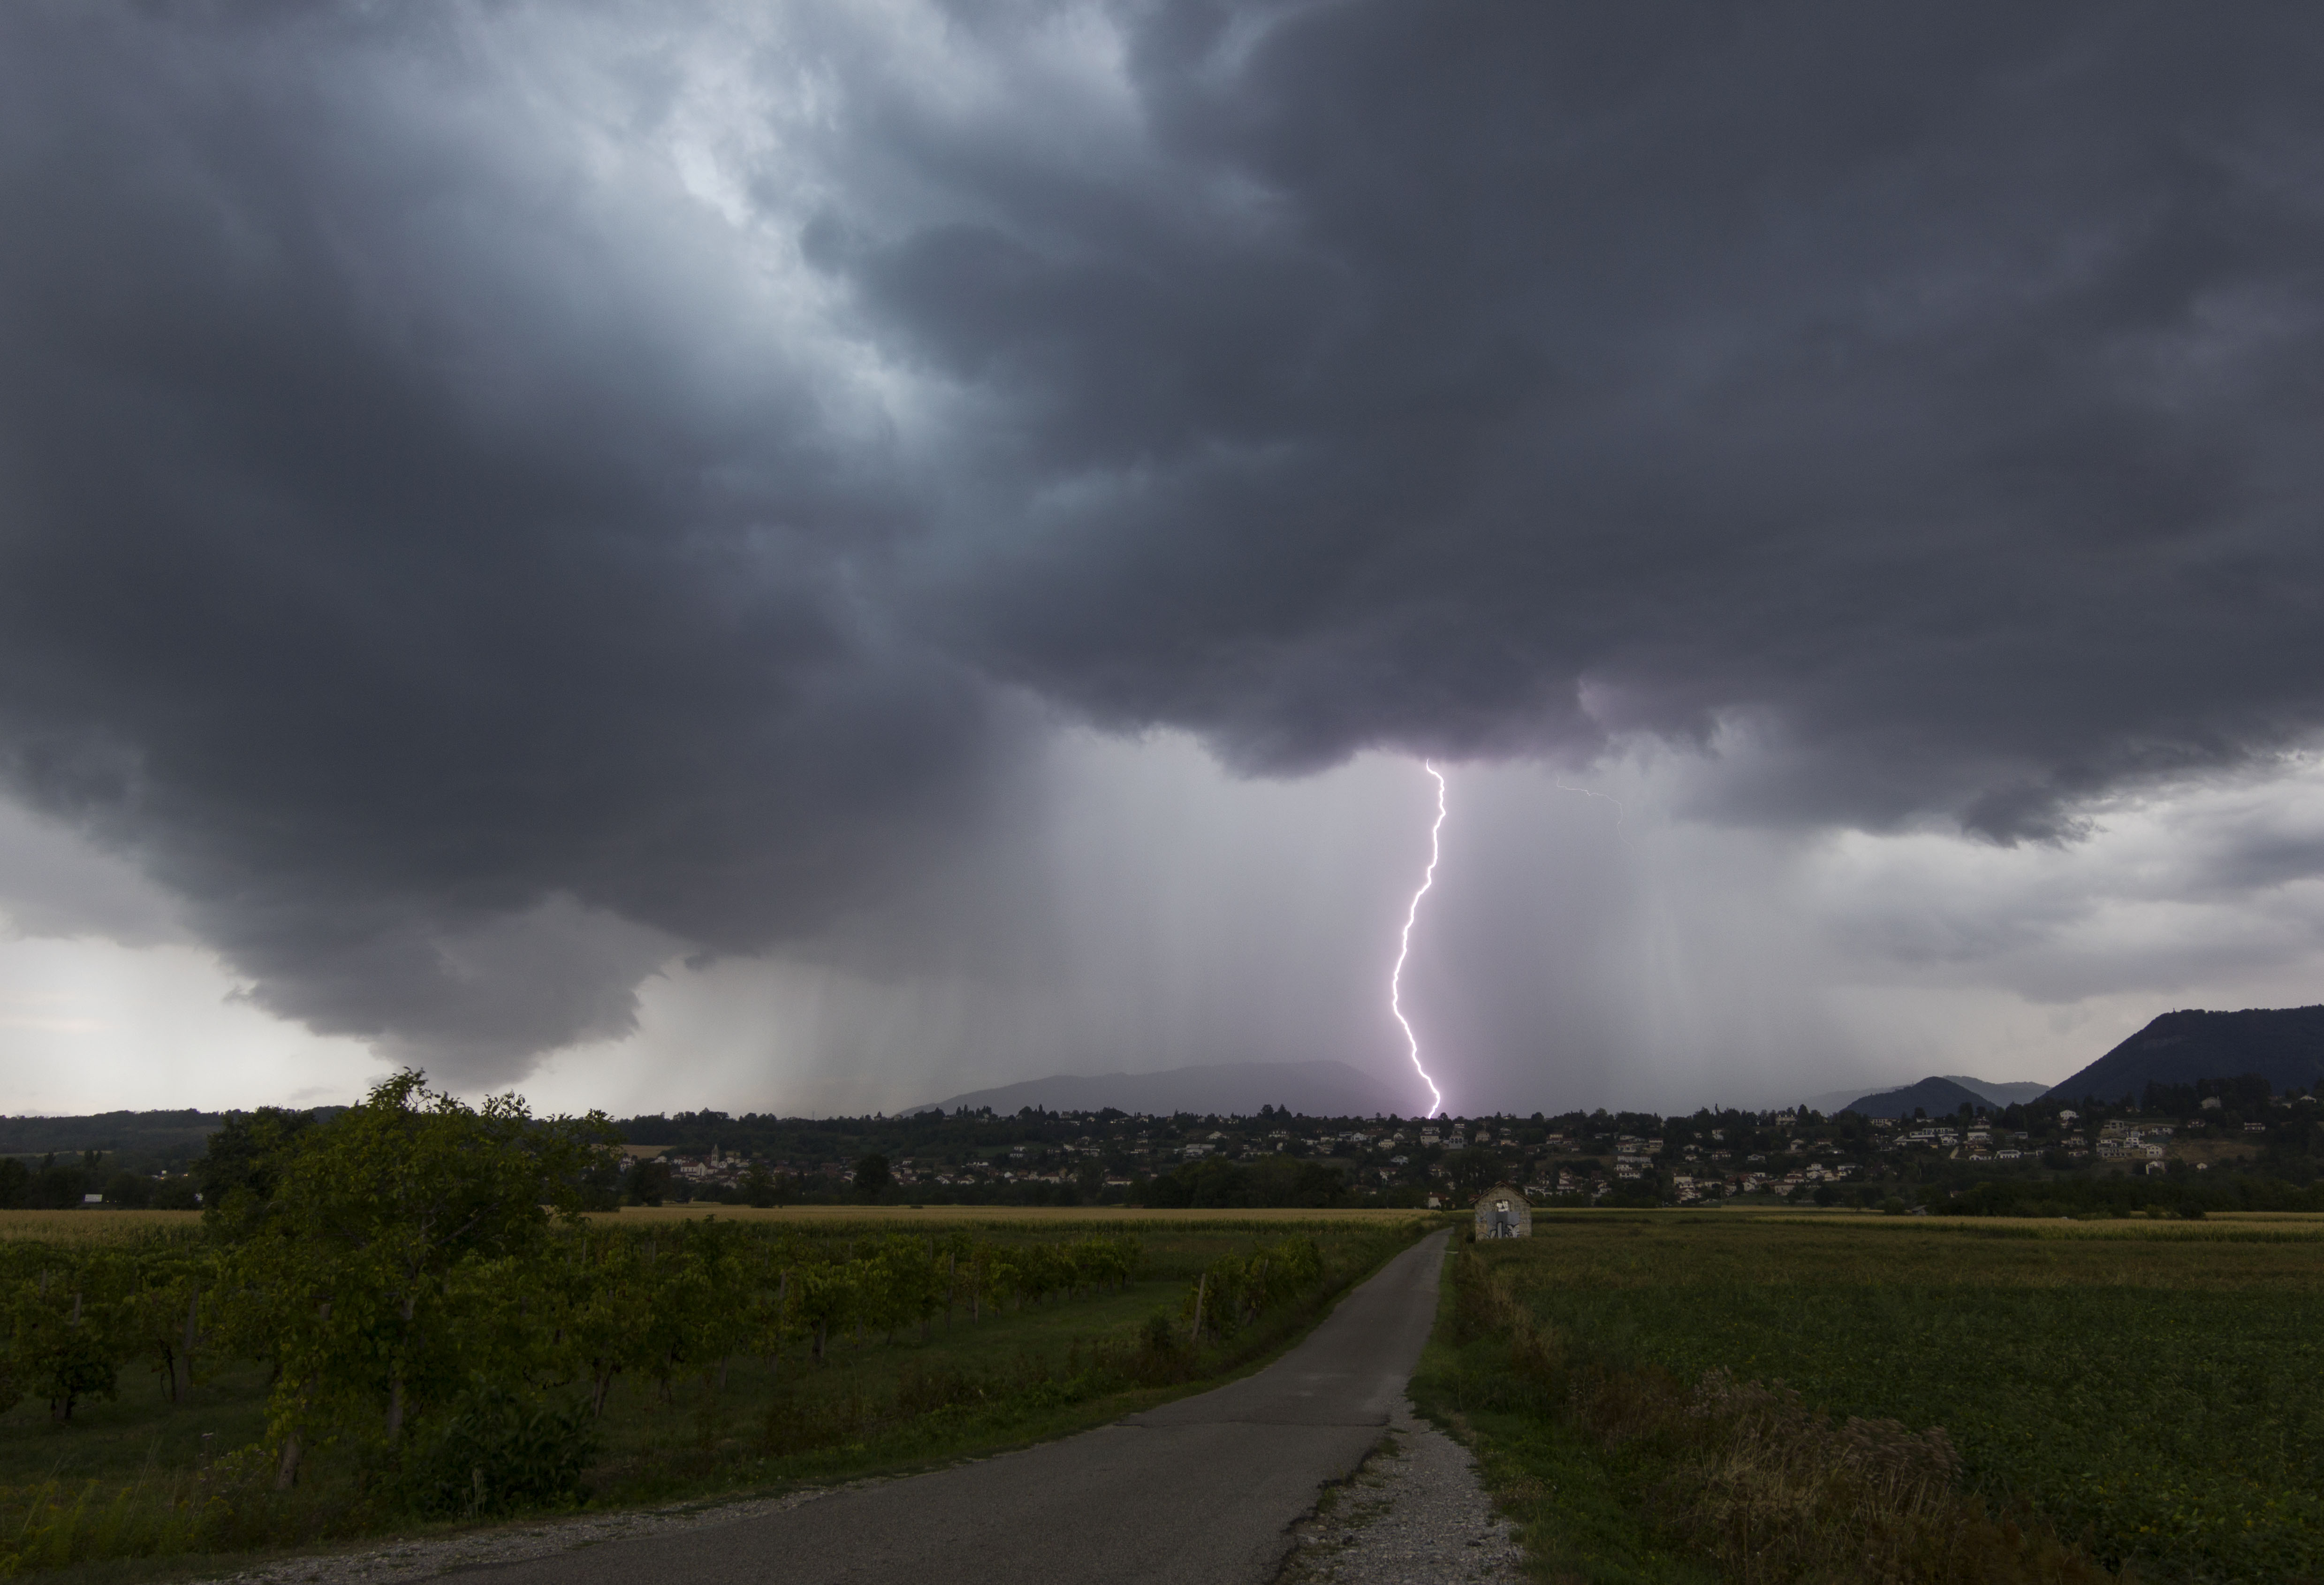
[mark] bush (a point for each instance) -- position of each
(496, 1455)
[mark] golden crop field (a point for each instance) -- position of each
(895, 1216)
(93, 1226)
(102, 1226)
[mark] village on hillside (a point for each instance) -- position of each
(2207, 1144)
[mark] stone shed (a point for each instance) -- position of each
(1502, 1213)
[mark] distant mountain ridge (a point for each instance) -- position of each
(1935, 1096)
(1310, 1089)
(2014, 1092)
(1980, 1091)
(2283, 1046)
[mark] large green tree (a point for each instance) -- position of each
(383, 1265)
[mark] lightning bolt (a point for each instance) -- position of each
(1404, 944)
(1622, 815)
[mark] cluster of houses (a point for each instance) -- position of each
(2147, 1143)
(1706, 1157)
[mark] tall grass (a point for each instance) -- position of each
(2158, 1400)
(1749, 1476)
(224, 1505)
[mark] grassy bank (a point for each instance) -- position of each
(1693, 1398)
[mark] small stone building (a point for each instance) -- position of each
(1502, 1213)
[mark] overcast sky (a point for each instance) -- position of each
(817, 556)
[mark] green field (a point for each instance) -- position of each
(2153, 1396)
(129, 1475)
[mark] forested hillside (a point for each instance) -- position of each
(2283, 1046)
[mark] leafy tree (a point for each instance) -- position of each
(604, 1313)
(63, 1331)
(15, 1184)
(163, 1313)
(871, 1175)
(497, 1454)
(176, 1193)
(828, 1295)
(773, 1318)
(600, 1188)
(763, 1188)
(647, 1182)
(383, 1267)
(702, 1270)
(59, 1185)
(237, 1169)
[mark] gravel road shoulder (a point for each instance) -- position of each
(395, 1562)
(1415, 1514)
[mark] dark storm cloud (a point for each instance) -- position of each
(467, 565)
(1936, 397)
(388, 555)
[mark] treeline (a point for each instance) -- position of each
(144, 1141)
(2245, 1095)
(54, 1184)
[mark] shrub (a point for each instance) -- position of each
(498, 1453)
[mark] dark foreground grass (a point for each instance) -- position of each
(122, 1492)
(2156, 1404)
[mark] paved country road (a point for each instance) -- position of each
(1202, 1491)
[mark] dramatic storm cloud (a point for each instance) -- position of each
(497, 501)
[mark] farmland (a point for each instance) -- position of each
(123, 1227)
(994, 1359)
(2150, 1394)
(402, 1314)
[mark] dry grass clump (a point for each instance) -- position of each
(1776, 1491)
(1772, 1491)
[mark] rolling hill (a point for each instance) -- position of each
(1310, 1089)
(1937, 1097)
(2284, 1046)
(142, 1141)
